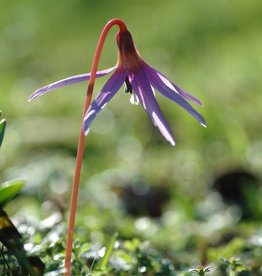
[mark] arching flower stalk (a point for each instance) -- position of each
(140, 80)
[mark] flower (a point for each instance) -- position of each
(140, 80)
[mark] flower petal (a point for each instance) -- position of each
(67, 81)
(144, 92)
(167, 91)
(166, 82)
(106, 94)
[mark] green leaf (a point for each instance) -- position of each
(200, 270)
(83, 249)
(110, 247)
(9, 189)
(2, 130)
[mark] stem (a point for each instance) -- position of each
(81, 141)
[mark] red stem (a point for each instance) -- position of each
(81, 141)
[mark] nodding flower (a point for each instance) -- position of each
(140, 80)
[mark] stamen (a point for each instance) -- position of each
(128, 88)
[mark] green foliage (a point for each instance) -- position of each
(130, 257)
(14, 259)
(109, 249)
(2, 129)
(201, 271)
(235, 266)
(10, 189)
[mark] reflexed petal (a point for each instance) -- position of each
(165, 82)
(144, 92)
(74, 79)
(171, 94)
(106, 94)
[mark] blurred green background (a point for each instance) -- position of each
(213, 49)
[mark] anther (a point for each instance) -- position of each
(128, 87)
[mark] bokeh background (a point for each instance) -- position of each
(184, 198)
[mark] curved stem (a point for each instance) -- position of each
(81, 141)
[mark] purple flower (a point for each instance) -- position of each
(140, 81)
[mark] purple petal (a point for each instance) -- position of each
(74, 79)
(167, 91)
(144, 92)
(165, 82)
(106, 94)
